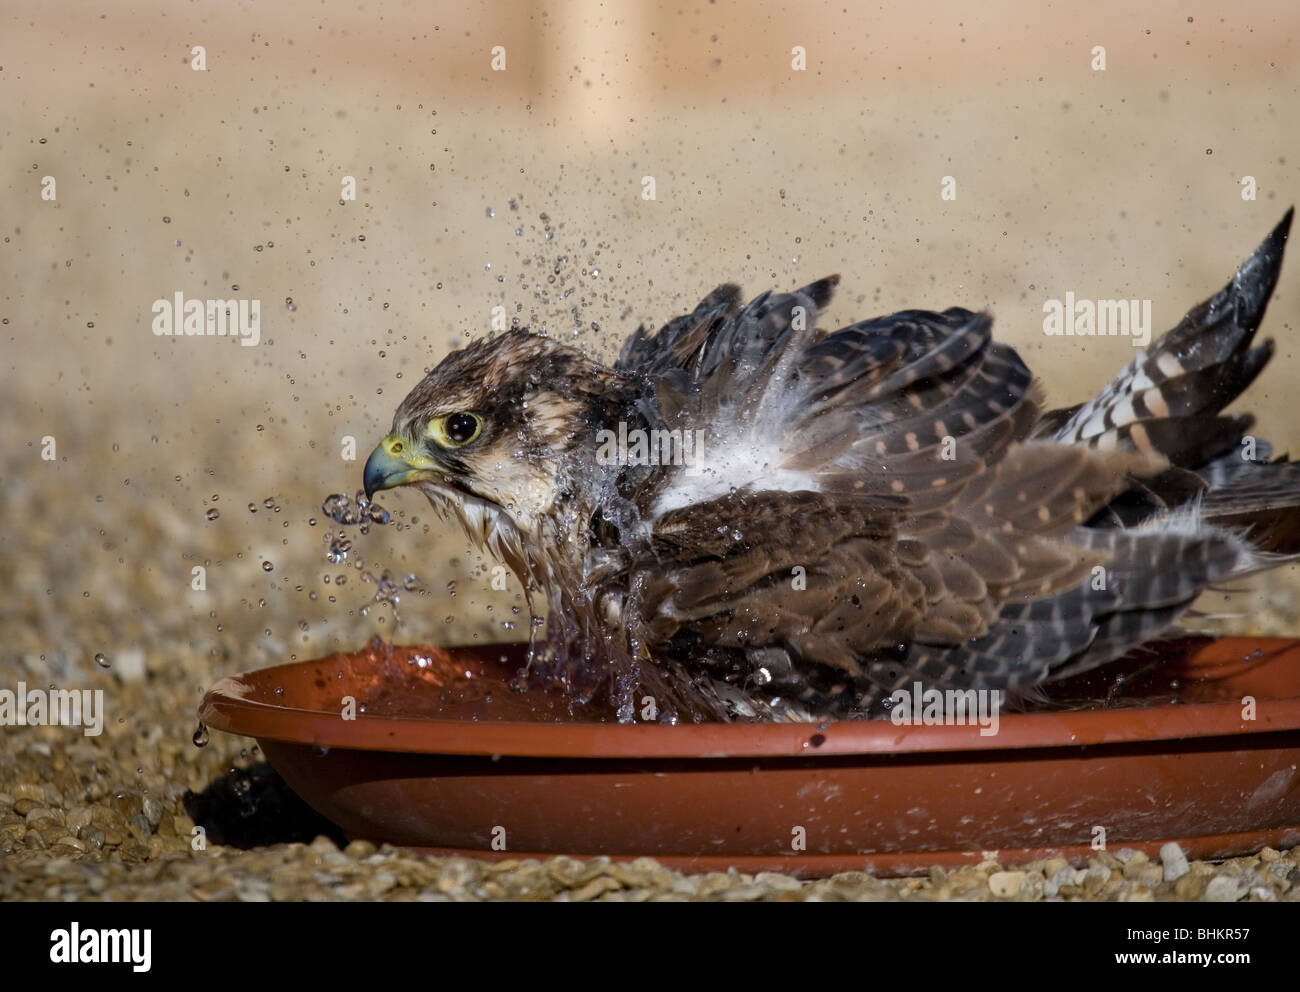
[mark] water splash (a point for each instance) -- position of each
(354, 511)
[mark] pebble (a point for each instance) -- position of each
(778, 883)
(1095, 878)
(602, 884)
(1005, 884)
(459, 874)
(153, 811)
(1224, 888)
(1174, 861)
(1148, 875)
(39, 814)
(78, 817)
(128, 665)
(67, 840)
(1137, 893)
(125, 803)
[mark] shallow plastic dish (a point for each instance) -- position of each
(443, 755)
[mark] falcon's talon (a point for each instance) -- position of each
(909, 512)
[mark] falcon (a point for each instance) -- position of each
(748, 516)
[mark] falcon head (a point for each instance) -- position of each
(487, 430)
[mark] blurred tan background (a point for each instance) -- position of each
(1117, 183)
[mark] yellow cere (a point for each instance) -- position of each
(399, 449)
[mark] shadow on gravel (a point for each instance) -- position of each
(253, 807)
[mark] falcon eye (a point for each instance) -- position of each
(462, 428)
(455, 429)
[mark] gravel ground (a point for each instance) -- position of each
(320, 871)
(521, 189)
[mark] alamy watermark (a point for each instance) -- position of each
(651, 447)
(921, 707)
(1098, 318)
(91, 946)
(200, 318)
(53, 708)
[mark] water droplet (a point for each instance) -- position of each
(201, 735)
(212, 514)
(339, 546)
(267, 566)
(101, 661)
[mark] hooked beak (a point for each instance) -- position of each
(392, 463)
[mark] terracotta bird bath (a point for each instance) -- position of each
(1203, 748)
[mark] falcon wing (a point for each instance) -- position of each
(894, 462)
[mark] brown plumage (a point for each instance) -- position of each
(881, 504)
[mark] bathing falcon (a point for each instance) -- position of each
(748, 515)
